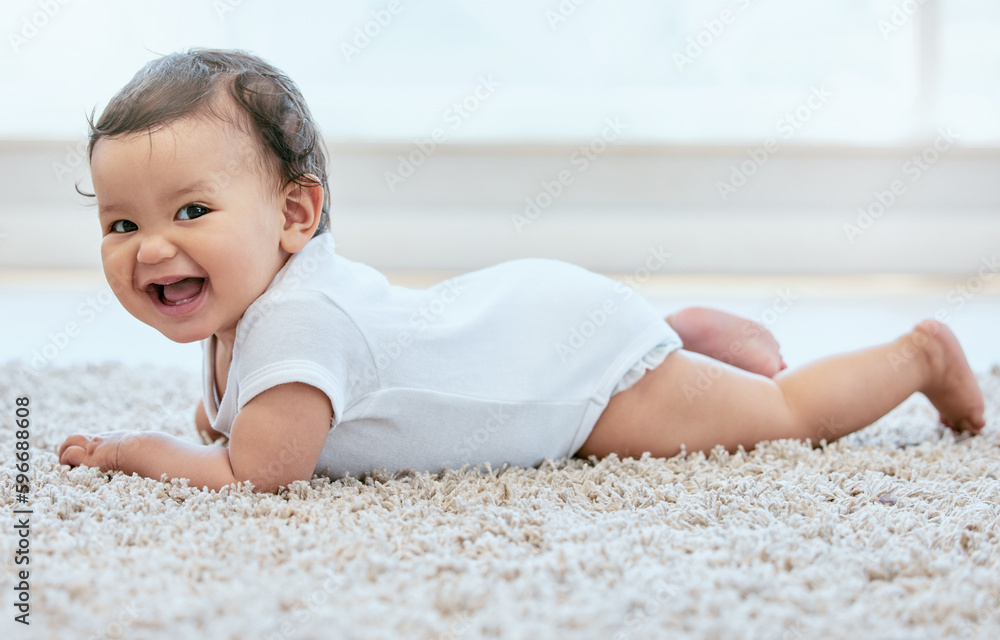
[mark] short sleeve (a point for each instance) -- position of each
(301, 337)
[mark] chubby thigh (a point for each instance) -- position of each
(693, 401)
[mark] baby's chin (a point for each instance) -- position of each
(184, 335)
(184, 339)
(178, 334)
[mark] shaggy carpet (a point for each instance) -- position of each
(891, 532)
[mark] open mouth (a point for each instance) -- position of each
(179, 292)
(178, 296)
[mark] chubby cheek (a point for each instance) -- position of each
(244, 267)
(117, 270)
(239, 286)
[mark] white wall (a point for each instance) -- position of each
(465, 207)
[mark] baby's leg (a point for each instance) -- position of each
(737, 341)
(698, 402)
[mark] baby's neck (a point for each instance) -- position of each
(223, 358)
(224, 344)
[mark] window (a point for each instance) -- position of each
(683, 71)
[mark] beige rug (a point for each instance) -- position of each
(893, 532)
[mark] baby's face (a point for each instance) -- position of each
(191, 231)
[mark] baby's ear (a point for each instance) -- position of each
(302, 206)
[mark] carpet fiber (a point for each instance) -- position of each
(892, 532)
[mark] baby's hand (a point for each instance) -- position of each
(99, 451)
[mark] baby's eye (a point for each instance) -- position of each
(191, 211)
(123, 226)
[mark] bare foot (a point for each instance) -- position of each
(734, 340)
(952, 386)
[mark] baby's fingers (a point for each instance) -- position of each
(75, 440)
(93, 451)
(75, 449)
(73, 455)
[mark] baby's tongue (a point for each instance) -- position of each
(182, 290)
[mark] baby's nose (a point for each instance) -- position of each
(155, 248)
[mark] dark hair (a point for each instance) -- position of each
(271, 110)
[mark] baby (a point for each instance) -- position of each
(212, 194)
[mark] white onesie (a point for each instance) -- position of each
(512, 363)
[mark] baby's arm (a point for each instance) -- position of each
(276, 439)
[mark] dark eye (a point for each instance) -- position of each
(191, 211)
(123, 226)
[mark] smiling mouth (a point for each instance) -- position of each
(175, 294)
